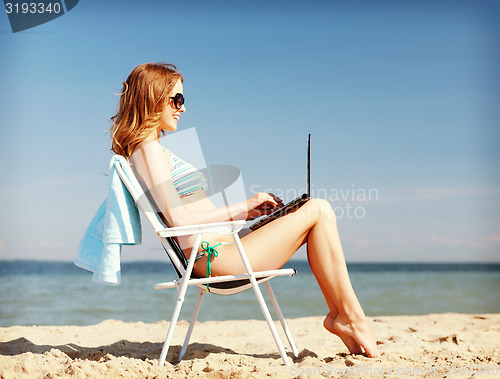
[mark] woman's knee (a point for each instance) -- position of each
(320, 209)
(324, 207)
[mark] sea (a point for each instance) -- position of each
(59, 293)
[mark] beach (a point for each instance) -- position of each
(435, 345)
(430, 320)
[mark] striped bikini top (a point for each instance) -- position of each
(186, 179)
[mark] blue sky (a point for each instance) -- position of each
(401, 99)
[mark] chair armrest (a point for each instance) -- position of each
(229, 278)
(227, 227)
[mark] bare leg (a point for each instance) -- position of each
(329, 323)
(326, 259)
(271, 246)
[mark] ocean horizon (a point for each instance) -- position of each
(59, 293)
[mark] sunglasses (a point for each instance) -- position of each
(178, 100)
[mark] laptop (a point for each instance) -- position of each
(294, 204)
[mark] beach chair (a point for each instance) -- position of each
(220, 285)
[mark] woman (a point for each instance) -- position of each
(151, 104)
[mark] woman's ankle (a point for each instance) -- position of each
(352, 315)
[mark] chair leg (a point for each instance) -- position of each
(191, 324)
(282, 319)
(262, 303)
(180, 300)
(170, 333)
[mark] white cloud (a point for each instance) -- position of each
(423, 248)
(44, 244)
(435, 193)
(480, 242)
(14, 191)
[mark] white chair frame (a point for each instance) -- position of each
(185, 280)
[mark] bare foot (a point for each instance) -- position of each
(359, 330)
(352, 345)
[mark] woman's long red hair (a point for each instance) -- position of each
(143, 99)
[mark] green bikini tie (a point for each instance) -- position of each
(211, 252)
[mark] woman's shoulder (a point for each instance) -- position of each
(153, 154)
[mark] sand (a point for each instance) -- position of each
(431, 346)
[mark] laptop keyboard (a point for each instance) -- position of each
(281, 211)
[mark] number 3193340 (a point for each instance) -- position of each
(33, 8)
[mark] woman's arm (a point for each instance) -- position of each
(202, 210)
(152, 166)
